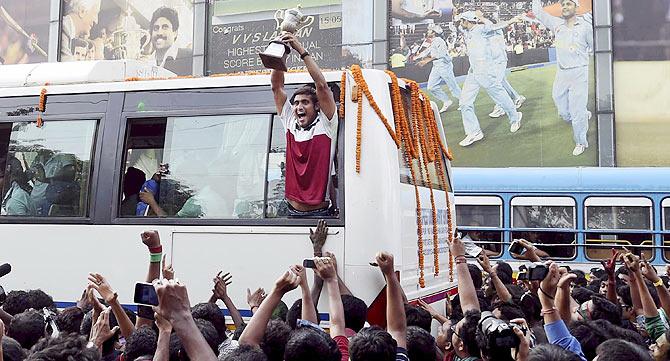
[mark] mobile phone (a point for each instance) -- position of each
(537, 272)
(145, 312)
(517, 248)
(308, 263)
(145, 294)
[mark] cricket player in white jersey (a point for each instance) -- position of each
(484, 72)
(443, 67)
(574, 44)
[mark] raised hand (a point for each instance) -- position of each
(100, 331)
(151, 238)
(385, 263)
(318, 237)
(333, 260)
(256, 298)
(292, 41)
(456, 247)
(100, 284)
(287, 282)
(524, 339)
(173, 303)
(221, 284)
(610, 264)
(649, 272)
(302, 272)
(632, 261)
(325, 268)
(163, 324)
(565, 280)
(433, 312)
(483, 260)
(550, 282)
(168, 271)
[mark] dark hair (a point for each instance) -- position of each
(27, 328)
(594, 285)
(504, 272)
(281, 311)
(617, 332)
(582, 294)
(355, 312)
(17, 174)
(295, 312)
(372, 344)
(476, 275)
(211, 312)
(624, 293)
(308, 90)
(417, 316)
(420, 344)
(107, 346)
(141, 342)
(238, 331)
(598, 272)
(603, 309)
(531, 307)
(67, 346)
(551, 352)
(246, 353)
(38, 300)
(274, 339)
(581, 277)
(620, 350)
(165, 12)
(307, 344)
(208, 331)
(589, 336)
(510, 311)
(12, 350)
(78, 43)
(468, 332)
(16, 302)
(133, 181)
(490, 350)
(69, 320)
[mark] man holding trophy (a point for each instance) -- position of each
(310, 120)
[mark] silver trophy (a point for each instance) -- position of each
(291, 21)
(129, 39)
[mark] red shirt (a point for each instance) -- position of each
(309, 156)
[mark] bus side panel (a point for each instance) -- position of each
(372, 215)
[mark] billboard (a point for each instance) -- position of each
(641, 34)
(240, 29)
(24, 32)
(159, 32)
(511, 91)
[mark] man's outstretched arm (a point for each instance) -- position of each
(323, 93)
(277, 81)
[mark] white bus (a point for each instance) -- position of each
(226, 148)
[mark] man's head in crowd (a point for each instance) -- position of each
(211, 312)
(568, 8)
(549, 352)
(355, 312)
(64, 347)
(308, 343)
(372, 344)
(142, 342)
(295, 312)
(305, 105)
(417, 316)
(19, 301)
(504, 272)
(79, 49)
(27, 328)
(620, 350)
(69, 320)
(208, 331)
(12, 350)
(164, 25)
(476, 275)
(280, 312)
(464, 335)
(274, 340)
(246, 353)
(420, 344)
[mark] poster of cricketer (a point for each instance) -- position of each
(514, 80)
(240, 30)
(24, 32)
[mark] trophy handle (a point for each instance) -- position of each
(310, 21)
(279, 16)
(147, 37)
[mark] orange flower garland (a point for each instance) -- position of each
(343, 93)
(359, 126)
(41, 107)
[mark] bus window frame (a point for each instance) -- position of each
(271, 112)
(665, 228)
(94, 171)
(525, 200)
(602, 201)
(462, 200)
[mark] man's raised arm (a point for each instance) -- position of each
(277, 81)
(323, 93)
(544, 17)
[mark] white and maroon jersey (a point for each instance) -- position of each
(309, 156)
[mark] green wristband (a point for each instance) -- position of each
(155, 257)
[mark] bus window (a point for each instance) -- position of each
(479, 217)
(276, 179)
(546, 214)
(609, 222)
(196, 167)
(47, 169)
(665, 205)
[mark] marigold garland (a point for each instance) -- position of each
(343, 87)
(359, 126)
(41, 107)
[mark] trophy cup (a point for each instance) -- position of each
(291, 21)
(129, 39)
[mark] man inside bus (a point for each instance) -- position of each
(310, 120)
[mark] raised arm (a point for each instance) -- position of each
(563, 297)
(253, 333)
(323, 93)
(100, 284)
(220, 291)
(501, 290)
(326, 270)
(152, 240)
(648, 305)
(547, 20)
(163, 344)
(396, 323)
(318, 238)
(277, 82)
(466, 289)
(649, 273)
(174, 306)
(608, 266)
(308, 311)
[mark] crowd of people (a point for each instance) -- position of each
(548, 312)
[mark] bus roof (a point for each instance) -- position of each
(120, 75)
(592, 179)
